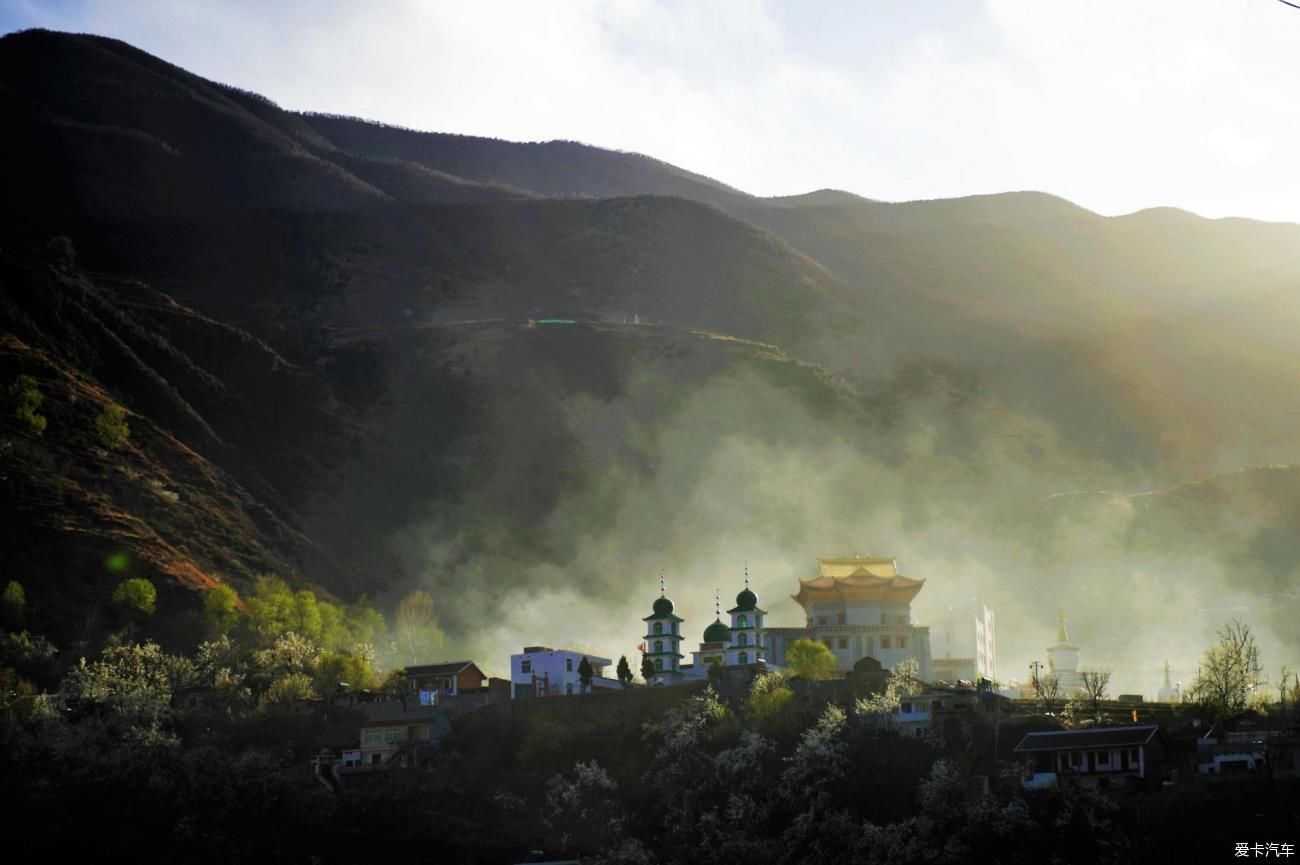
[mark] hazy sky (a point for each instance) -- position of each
(1115, 105)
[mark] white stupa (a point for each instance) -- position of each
(1063, 658)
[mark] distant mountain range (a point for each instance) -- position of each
(327, 334)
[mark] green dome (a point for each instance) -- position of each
(746, 600)
(663, 607)
(717, 632)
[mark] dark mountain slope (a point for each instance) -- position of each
(331, 340)
(106, 131)
(222, 432)
(553, 168)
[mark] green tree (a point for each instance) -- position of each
(135, 598)
(768, 696)
(624, 671)
(903, 683)
(133, 682)
(811, 659)
(13, 604)
(111, 426)
(585, 674)
(271, 608)
(1230, 672)
(221, 609)
(416, 626)
(27, 399)
(396, 686)
(336, 668)
(647, 668)
(289, 688)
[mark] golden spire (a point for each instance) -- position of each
(1061, 635)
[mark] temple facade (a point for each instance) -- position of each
(859, 607)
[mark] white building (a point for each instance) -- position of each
(542, 672)
(964, 644)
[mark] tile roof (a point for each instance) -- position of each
(1095, 737)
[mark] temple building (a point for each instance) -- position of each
(859, 607)
(1063, 659)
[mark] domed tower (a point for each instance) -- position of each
(713, 648)
(746, 628)
(663, 637)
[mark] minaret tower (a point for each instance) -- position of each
(746, 628)
(663, 638)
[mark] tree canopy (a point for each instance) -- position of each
(810, 659)
(1230, 672)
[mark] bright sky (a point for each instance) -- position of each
(1115, 104)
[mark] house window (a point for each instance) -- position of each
(391, 736)
(743, 658)
(821, 620)
(526, 666)
(659, 664)
(374, 737)
(743, 639)
(659, 646)
(841, 619)
(902, 642)
(827, 641)
(844, 642)
(886, 642)
(659, 627)
(1103, 758)
(743, 622)
(568, 664)
(906, 708)
(900, 620)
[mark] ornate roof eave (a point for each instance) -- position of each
(667, 617)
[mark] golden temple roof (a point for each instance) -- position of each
(857, 579)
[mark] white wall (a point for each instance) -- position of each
(558, 666)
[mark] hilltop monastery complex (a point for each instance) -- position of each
(858, 607)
